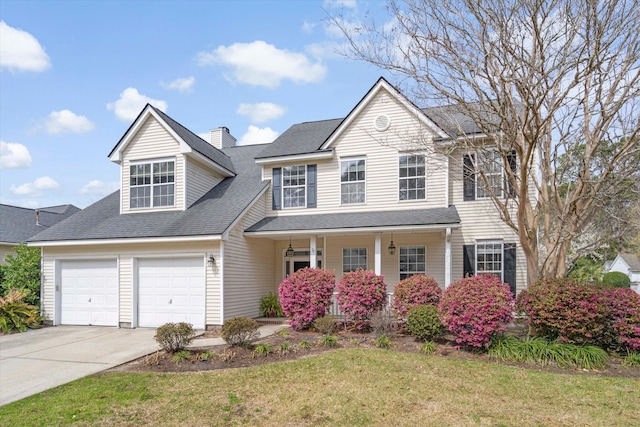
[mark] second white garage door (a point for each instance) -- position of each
(171, 290)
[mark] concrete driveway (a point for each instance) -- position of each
(41, 359)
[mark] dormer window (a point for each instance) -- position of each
(152, 184)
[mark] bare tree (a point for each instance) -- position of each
(556, 82)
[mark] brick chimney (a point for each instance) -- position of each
(221, 138)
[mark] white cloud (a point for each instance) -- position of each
(182, 84)
(20, 51)
(36, 187)
(308, 27)
(65, 121)
(262, 64)
(99, 188)
(261, 112)
(256, 135)
(327, 49)
(14, 156)
(350, 4)
(131, 102)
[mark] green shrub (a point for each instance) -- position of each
(270, 306)
(22, 271)
(429, 347)
(326, 325)
(413, 291)
(206, 355)
(423, 322)
(240, 331)
(285, 348)
(383, 341)
(329, 341)
(181, 356)
(262, 350)
(16, 314)
(173, 337)
(632, 359)
(304, 344)
(616, 279)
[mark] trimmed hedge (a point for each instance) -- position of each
(306, 295)
(360, 294)
(415, 291)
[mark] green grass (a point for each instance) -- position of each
(350, 387)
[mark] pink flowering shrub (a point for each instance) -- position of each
(360, 294)
(624, 304)
(567, 310)
(476, 308)
(413, 291)
(306, 295)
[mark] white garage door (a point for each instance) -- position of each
(171, 290)
(89, 292)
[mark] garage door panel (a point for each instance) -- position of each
(89, 292)
(171, 290)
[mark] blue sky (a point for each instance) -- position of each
(74, 74)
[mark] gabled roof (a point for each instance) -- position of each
(301, 138)
(389, 220)
(184, 136)
(211, 215)
(632, 260)
(19, 224)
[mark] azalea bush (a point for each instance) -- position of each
(414, 291)
(360, 294)
(624, 305)
(476, 308)
(306, 295)
(568, 311)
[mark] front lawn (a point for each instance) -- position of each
(342, 387)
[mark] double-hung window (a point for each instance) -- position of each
(152, 184)
(490, 164)
(352, 181)
(354, 258)
(294, 186)
(489, 257)
(411, 172)
(413, 260)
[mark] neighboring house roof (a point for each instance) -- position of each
(301, 138)
(212, 214)
(19, 224)
(389, 219)
(632, 260)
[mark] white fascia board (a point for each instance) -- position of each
(9, 243)
(225, 235)
(296, 157)
(188, 151)
(361, 106)
(127, 241)
(346, 231)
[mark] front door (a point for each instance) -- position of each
(299, 260)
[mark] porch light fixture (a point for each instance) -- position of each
(392, 247)
(211, 260)
(290, 252)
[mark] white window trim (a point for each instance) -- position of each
(366, 254)
(351, 159)
(282, 186)
(151, 162)
(425, 178)
(478, 178)
(400, 273)
(490, 242)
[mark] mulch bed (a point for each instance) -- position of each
(227, 357)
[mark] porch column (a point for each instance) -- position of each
(378, 256)
(313, 256)
(447, 258)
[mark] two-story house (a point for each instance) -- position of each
(199, 231)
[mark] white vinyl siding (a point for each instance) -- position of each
(249, 267)
(200, 179)
(152, 142)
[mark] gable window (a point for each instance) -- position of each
(352, 181)
(354, 258)
(490, 163)
(294, 186)
(411, 174)
(413, 260)
(152, 184)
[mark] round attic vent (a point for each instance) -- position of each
(382, 122)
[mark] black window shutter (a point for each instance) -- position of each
(276, 189)
(468, 178)
(509, 272)
(469, 263)
(511, 159)
(311, 186)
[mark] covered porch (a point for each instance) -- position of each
(396, 244)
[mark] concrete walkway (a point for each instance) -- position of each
(35, 361)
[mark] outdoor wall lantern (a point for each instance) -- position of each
(211, 260)
(392, 247)
(290, 252)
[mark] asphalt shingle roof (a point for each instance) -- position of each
(632, 260)
(19, 224)
(212, 214)
(437, 216)
(301, 138)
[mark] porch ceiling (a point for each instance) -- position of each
(357, 222)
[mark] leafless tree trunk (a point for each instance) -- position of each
(556, 81)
